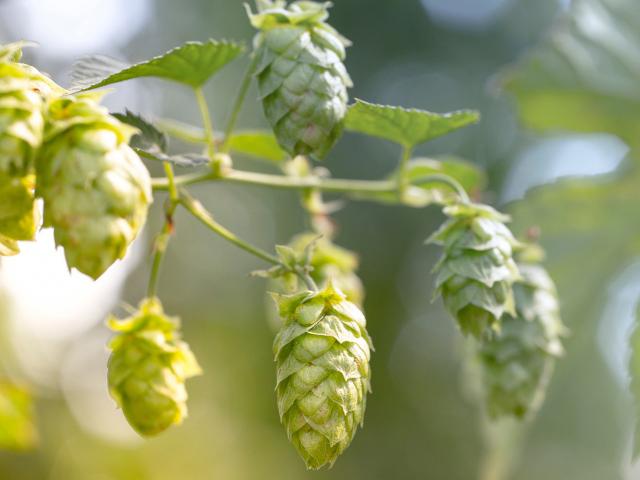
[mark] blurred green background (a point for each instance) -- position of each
(440, 55)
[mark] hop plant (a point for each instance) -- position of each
(301, 78)
(329, 263)
(322, 355)
(148, 368)
(476, 272)
(517, 364)
(96, 189)
(23, 92)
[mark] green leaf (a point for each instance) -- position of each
(149, 137)
(192, 64)
(408, 127)
(184, 160)
(17, 429)
(258, 143)
(584, 77)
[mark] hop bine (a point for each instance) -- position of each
(476, 272)
(517, 363)
(23, 92)
(301, 78)
(96, 189)
(322, 355)
(148, 368)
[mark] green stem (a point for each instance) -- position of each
(335, 185)
(206, 122)
(198, 211)
(403, 173)
(237, 105)
(162, 240)
(306, 278)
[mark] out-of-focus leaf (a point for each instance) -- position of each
(585, 75)
(634, 369)
(192, 64)
(258, 143)
(408, 127)
(423, 193)
(149, 137)
(17, 428)
(184, 160)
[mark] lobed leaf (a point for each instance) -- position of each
(408, 127)
(148, 138)
(258, 143)
(192, 64)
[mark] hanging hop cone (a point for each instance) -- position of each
(148, 368)
(476, 272)
(322, 355)
(301, 78)
(23, 92)
(96, 190)
(517, 364)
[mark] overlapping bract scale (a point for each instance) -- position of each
(322, 354)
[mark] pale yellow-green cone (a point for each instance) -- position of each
(148, 368)
(322, 355)
(96, 190)
(23, 93)
(517, 363)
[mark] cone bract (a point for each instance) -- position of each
(96, 190)
(476, 272)
(148, 368)
(322, 354)
(516, 364)
(301, 78)
(23, 92)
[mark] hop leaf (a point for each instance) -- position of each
(96, 189)
(148, 368)
(517, 363)
(301, 78)
(322, 356)
(476, 272)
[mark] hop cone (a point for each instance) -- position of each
(322, 356)
(148, 368)
(301, 78)
(517, 363)
(476, 272)
(23, 91)
(96, 189)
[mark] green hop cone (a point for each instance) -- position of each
(23, 92)
(330, 263)
(517, 364)
(301, 78)
(96, 190)
(476, 272)
(148, 368)
(322, 354)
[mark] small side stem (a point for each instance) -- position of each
(206, 122)
(162, 240)
(447, 180)
(239, 101)
(198, 211)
